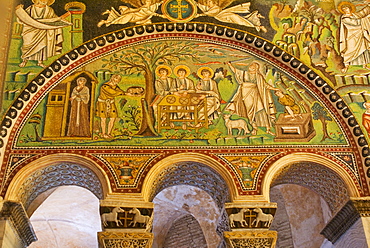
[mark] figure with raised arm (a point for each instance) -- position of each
(354, 42)
(253, 98)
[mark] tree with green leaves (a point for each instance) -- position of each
(321, 114)
(35, 120)
(143, 60)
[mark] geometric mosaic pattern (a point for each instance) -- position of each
(319, 179)
(58, 175)
(193, 174)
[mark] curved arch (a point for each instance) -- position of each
(155, 172)
(112, 42)
(69, 217)
(176, 202)
(290, 159)
(70, 161)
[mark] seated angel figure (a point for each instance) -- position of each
(143, 14)
(210, 8)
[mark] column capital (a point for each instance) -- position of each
(126, 223)
(251, 238)
(346, 217)
(15, 214)
(250, 215)
(124, 239)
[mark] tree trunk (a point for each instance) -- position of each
(324, 130)
(37, 136)
(147, 119)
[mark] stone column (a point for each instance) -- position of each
(15, 227)
(350, 227)
(249, 224)
(126, 224)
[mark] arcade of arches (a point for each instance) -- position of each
(184, 124)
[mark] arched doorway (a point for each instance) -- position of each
(68, 217)
(308, 195)
(185, 215)
(195, 192)
(62, 199)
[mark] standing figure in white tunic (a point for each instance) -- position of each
(42, 31)
(354, 35)
(253, 99)
(141, 15)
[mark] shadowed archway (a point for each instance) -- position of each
(199, 183)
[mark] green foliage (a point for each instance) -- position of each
(337, 136)
(132, 115)
(26, 138)
(146, 57)
(319, 112)
(213, 134)
(35, 119)
(193, 134)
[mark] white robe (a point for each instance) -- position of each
(140, 15)
(210, 89)
(42, 32)
(253, 99)
(229, 15)
(185, 84)
(355, 38)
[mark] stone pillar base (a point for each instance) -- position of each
(125, 239)
(251, 239)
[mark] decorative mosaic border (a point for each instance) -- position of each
(139, 174)
(259, 170)
(111, 42)
(349, 161)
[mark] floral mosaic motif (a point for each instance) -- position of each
(116, 243)
(349, 160)
(125, 239)
(252, 242)
(15, 160)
